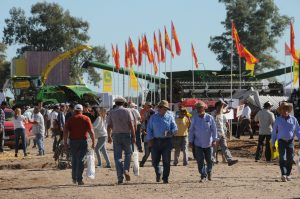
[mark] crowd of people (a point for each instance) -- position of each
(160, 129)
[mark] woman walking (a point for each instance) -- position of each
(100, 128)
(284, 130)
(19, 128)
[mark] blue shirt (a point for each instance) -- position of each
(285, 129)
(203, 131)
(158, 126)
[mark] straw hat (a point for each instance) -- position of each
(201, 104)
(164, 104)
(120, 99)
(283, 105)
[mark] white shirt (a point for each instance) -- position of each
(19, 122)
(246, 112)
(53, 116)
(100, 127)
(137, 115)
(38, 128)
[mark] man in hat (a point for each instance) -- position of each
(137, 118)
(203, 136)
(221, 123)
(160, 130)
(265, 118)
(121, 132)
(285, 128)
(245, 121)
(77, 129)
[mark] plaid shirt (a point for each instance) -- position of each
(2, 118)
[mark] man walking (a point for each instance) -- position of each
(121, 132)
(203, 136)
(38, 129)
(265, 118)
(77, 129)
(160, 130)
(246, 121)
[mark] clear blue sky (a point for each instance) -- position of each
(196, 21)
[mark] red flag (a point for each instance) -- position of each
(287, 50)
(140, 58)
(235, 37)
(195, 57)
(146, 49)
(162, 51)
(168, 42)
(113, 51)
(126, 55)
(293, 50)
(154, 63)
(248, 56)
(117, 58)
(132, 51)
(174, 36)
(155, 46)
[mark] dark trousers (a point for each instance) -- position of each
(78, 150)
(286, 153)
(147, 151)
(161, 148)
(20, 132)
(138, 137)
(201, 155)
(260, 144)
(245, 126)
(1, 138)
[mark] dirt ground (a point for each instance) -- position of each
(38, 177)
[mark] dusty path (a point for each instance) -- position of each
(37, 177)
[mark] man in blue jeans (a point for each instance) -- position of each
(121, 131)
(203, 136)
(285, 128)
(160, 130)
(77, 129)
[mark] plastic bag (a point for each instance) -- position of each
(136, 167)
(274, 154)
(90, 162)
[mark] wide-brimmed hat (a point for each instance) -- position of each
(201, 104)
(283, 105)
(148, 104)
(164, 103)
(120, 99)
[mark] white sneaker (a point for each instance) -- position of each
(283, 178)
(288, 178)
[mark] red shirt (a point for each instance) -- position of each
(78, 127)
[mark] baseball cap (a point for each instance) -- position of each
(78, 107)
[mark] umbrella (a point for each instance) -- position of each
(190, 102)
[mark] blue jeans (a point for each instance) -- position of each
(40, 143)
(201, 154)
(138, 137)
(20, 132)
(122, 142)
(286, 153)
(78, 150)
(161, 148)
(101, 147)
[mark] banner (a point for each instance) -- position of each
(107, 81)
(133, 83)
(296, 68)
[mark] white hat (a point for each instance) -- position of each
(120, 99)
(78, 107)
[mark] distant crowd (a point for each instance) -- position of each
(153, 130)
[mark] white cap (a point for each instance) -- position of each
(78, 107)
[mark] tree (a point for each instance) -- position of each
(4, 66)
(259, 26)
(49, 28)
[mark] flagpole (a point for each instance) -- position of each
(193, 75)
(159, 79)
(284, 89)
(231, 67)
(137, 99)
(165, 74)
(240, 72)
(151, 95)
(128, 83)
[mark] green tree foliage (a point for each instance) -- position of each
(4, 65)
(259, 26)
(49, 28)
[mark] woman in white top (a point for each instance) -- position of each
(100, 129)
(19, 128)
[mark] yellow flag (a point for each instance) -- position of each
(107, 81)
(250, 67)
(296, 68)
(133, 80)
